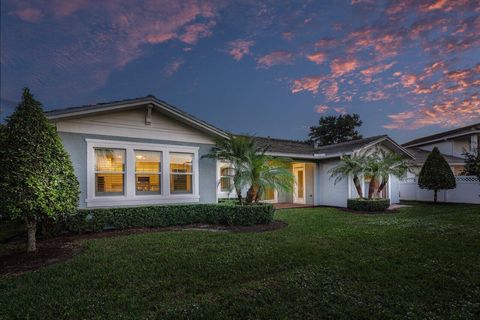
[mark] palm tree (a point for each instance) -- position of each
(350, 165)
(262, 172)
(380, 165)
(234, 150)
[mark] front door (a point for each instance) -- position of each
(299, 188)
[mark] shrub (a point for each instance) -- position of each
(95, 220)
(370, 205)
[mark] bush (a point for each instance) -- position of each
(95, 220)
(370, 205)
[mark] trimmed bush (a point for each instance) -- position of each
(370, 205)
(95, 220)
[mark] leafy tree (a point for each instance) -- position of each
(37, 181)
(262, 172)
(350, 165)
(472, 163)
(234, 150)
(336, 129)
(436, 174)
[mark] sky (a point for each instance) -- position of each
(408, 67)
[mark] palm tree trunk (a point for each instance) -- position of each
(251, 195)
(372, 187)
(239, 195)
(31, 235)
(358, 186)
(382, 186)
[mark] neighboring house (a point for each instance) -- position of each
(452, 144)
(146, 152)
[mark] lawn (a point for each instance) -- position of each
(423, 262)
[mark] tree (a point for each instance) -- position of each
(336, 129)
(261, 171)
(472, 163)
(234, 150)
(436, 174)
(350, 165)
(37, 181)
(379, 165)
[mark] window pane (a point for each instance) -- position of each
(225, 183)
(109, 184)
(180, 183)
(181, 162)
(148, 183)
(148, 161)
(109, 160)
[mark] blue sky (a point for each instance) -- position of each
(409, 68)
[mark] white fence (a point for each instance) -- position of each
(467, 191)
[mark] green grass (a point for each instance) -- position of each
(423, 262)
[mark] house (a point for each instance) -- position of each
(452, 144)
(145, 151)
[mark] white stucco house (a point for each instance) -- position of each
(144, 151)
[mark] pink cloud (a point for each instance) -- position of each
(275, 58)
(436, 5)
(317, 57)
(306, 84)
(342, 66)
(197, 31)
(331, 92)
(321, 108)
(29, 14)
(371, 71)
(375, 96)
(341, 110)
(239, 48)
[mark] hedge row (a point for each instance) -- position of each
(95, 220)
(370, 205)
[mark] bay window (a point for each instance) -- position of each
(109, 172)
(181, 172)
(148, 172)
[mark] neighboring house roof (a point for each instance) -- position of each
(300, 149)
(444, 135)
(157, 104)
(421, 155)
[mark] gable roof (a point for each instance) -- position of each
(301, 149)
(444, 135)
(159, 105)
(421, 155)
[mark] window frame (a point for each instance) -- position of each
(122, 173)
(172, 174)
(130, 197)
(158, 173)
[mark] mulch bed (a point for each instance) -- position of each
(16, 261)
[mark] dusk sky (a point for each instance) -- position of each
(409, 68)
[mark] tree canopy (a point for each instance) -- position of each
(336, 129)
(436, 174)
(37, 181)
(472, 163)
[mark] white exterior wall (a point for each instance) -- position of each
(329, 193)
(467, 191)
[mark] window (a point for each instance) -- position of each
(181, 172)
(226, 180)
(109, 172)
(268, 194)
(148, 172)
